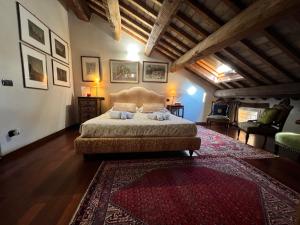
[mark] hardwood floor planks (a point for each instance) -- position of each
(45, 184)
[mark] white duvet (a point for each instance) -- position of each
(139, 126)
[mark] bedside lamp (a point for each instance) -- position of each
(173, 95)
(97, 82)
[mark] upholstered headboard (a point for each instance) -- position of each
(137, 95)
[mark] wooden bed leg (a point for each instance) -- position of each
(191, 153)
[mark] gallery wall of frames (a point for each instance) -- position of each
(37, 41)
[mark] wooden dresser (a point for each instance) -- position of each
(89, 107)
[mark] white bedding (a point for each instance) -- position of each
(139, 126)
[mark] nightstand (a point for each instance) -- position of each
(89, 107)
(177, 110)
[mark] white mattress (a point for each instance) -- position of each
(139, 126)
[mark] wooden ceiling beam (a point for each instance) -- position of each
(141, 5)
(113, 10)
(176, 40)
(131, 33)
(183, 33)
(137, 32)
(279, 90)
(165, 51)
(164, 54)
(238, 84)
(267, 60)
(265, 78)
(165, 15)
(157, 2)
(98, 11)
(257, 16)
(175, 49)
(205, 14)
(80, 8)
(135, 14)
(194, 71)
(282, 44)
(133, 23)
(170, 52)
(227, 84)
(191, 24)
(238, 69)
(271, 35)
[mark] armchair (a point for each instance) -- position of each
(219, 114)
(272, 123)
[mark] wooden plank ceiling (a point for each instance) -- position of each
(200, 35)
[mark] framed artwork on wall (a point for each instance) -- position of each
(155, 72)
(33, 31)
(61, 74)
(34, 65)
(122, 71)
(59, 48)
(91, 70)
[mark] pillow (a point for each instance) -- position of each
(219, 109)
(125, 107)
(268, 116)
(283, 112)
(152, 107)
(115, 114)
(120, 115)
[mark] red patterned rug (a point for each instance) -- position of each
(216, 144)
(193, 191)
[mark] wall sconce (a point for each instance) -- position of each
(191, 90)
(132, 52)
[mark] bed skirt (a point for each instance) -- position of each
(143, 144)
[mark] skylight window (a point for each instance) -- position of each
(224, 69)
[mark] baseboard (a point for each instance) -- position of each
(20, 152)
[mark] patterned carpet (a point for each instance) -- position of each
(186, 191)
(216, 144)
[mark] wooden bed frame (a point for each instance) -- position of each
(139, 96)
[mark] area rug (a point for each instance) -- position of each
(186, 191)
(216, 144)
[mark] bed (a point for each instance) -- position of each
(139, 134)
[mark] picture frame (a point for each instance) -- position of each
(32, 30)
(124, 71)
(59, 48)
(90, 68)
(156, 72)
(61, 74)
(34, 68)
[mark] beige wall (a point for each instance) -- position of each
(96, 39)
(37, 113)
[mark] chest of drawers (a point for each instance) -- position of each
(89, 107)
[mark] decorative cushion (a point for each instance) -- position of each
(268, 116)
(288, 139)
(152, 107)
(125, 107)
(219, 109)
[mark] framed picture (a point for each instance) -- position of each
(61, 74)
(33, 31)
(122, 71)
(90, 66)
(59, 48)
(155, 72)
(34, 65)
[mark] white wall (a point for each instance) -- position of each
(96, 39)
(37, 113)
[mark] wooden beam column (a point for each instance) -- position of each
(113, 10)
(280, 90)
(166, 13)
(260, 14)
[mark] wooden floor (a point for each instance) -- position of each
(45, 184)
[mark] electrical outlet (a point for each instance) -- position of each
(7, 82)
